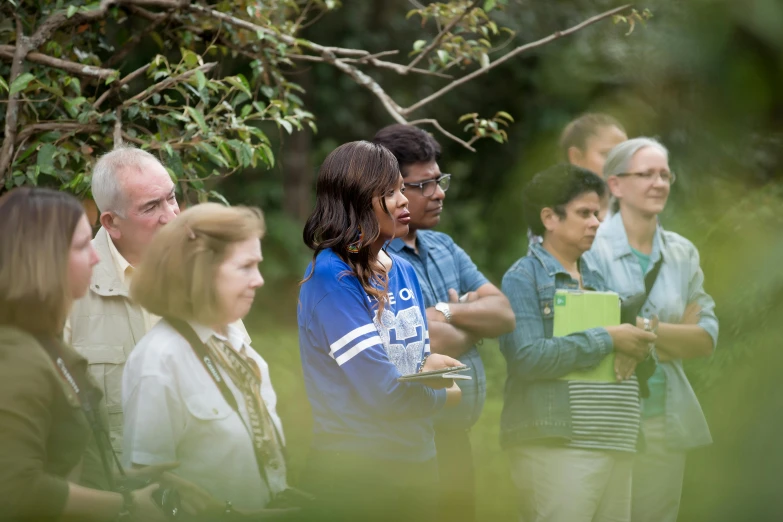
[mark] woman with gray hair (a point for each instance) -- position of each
(660, 271)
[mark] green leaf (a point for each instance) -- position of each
(484, 60)
(198, 117)
(46, 158)
(268, 156)
(3, 85)
(240, 82)
(286, 125)
(418, 45)
(201, 79)
(503, 114)
(465, 117)
(21, 82)
(71, 11)
(218, 196)
(444, 56)
(489, 5)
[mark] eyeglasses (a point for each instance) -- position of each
(428, 187)
(666, 177)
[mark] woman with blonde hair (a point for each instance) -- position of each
(47, 399)
(194, 390)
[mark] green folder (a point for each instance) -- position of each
(577, 311)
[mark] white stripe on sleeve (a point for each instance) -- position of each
(350, 336)
(360, 347)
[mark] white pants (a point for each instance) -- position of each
(657, 477)
(560, 484)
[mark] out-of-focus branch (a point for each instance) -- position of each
(436, 41)
(532, 45)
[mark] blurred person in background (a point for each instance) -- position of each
(194, 390)
(362, 325)
(629, 247)
(570, 442)
(585, 142)
(47, 399)
(446, 273)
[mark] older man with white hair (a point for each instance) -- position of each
(135, 197)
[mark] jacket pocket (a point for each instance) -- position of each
(208, 406)
(106, 364)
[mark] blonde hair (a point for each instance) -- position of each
(176, 277)
(106, 186)
(36, 232)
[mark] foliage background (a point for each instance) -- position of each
(705, 76)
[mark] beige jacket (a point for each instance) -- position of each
(104, 327)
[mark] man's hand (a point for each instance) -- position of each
(195, 499)
(624, 366)
(631, 341)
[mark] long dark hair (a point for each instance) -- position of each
(36, 231)
(350, 178)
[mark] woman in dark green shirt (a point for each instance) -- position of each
(46, 260)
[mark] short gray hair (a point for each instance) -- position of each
(620, 156)
(106, 186)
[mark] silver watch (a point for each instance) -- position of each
(445, 310)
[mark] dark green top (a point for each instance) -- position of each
(44, 433)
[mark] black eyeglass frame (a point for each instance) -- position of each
(437, 181)
(650, 176)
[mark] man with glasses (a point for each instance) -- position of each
(463, 307)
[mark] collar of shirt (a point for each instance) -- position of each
(235, 338)
(553, 267)
(397, 245)
(616, 236)
(124, 269)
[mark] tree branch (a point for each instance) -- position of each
(441, 34)
(167, 83)
(7, 52)
(467, 144)
(65, 126)
(12, 111)
(380, 64)
(118, 84)
(518, 50)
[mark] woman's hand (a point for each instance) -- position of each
(692, 314)
(624, 366)
(144, 507)
(195, 499)
(453, 395)
(152, 473)
(437, 361)
(631, 341)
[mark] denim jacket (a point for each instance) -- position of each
(679, 283)
(536, 406)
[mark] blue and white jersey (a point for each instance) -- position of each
(351, 359)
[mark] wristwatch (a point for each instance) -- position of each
(445, 310)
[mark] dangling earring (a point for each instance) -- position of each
(353, 248)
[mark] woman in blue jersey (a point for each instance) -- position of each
(362, 324)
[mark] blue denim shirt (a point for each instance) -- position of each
(680, 282)
(536, 406)
(440, 264)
